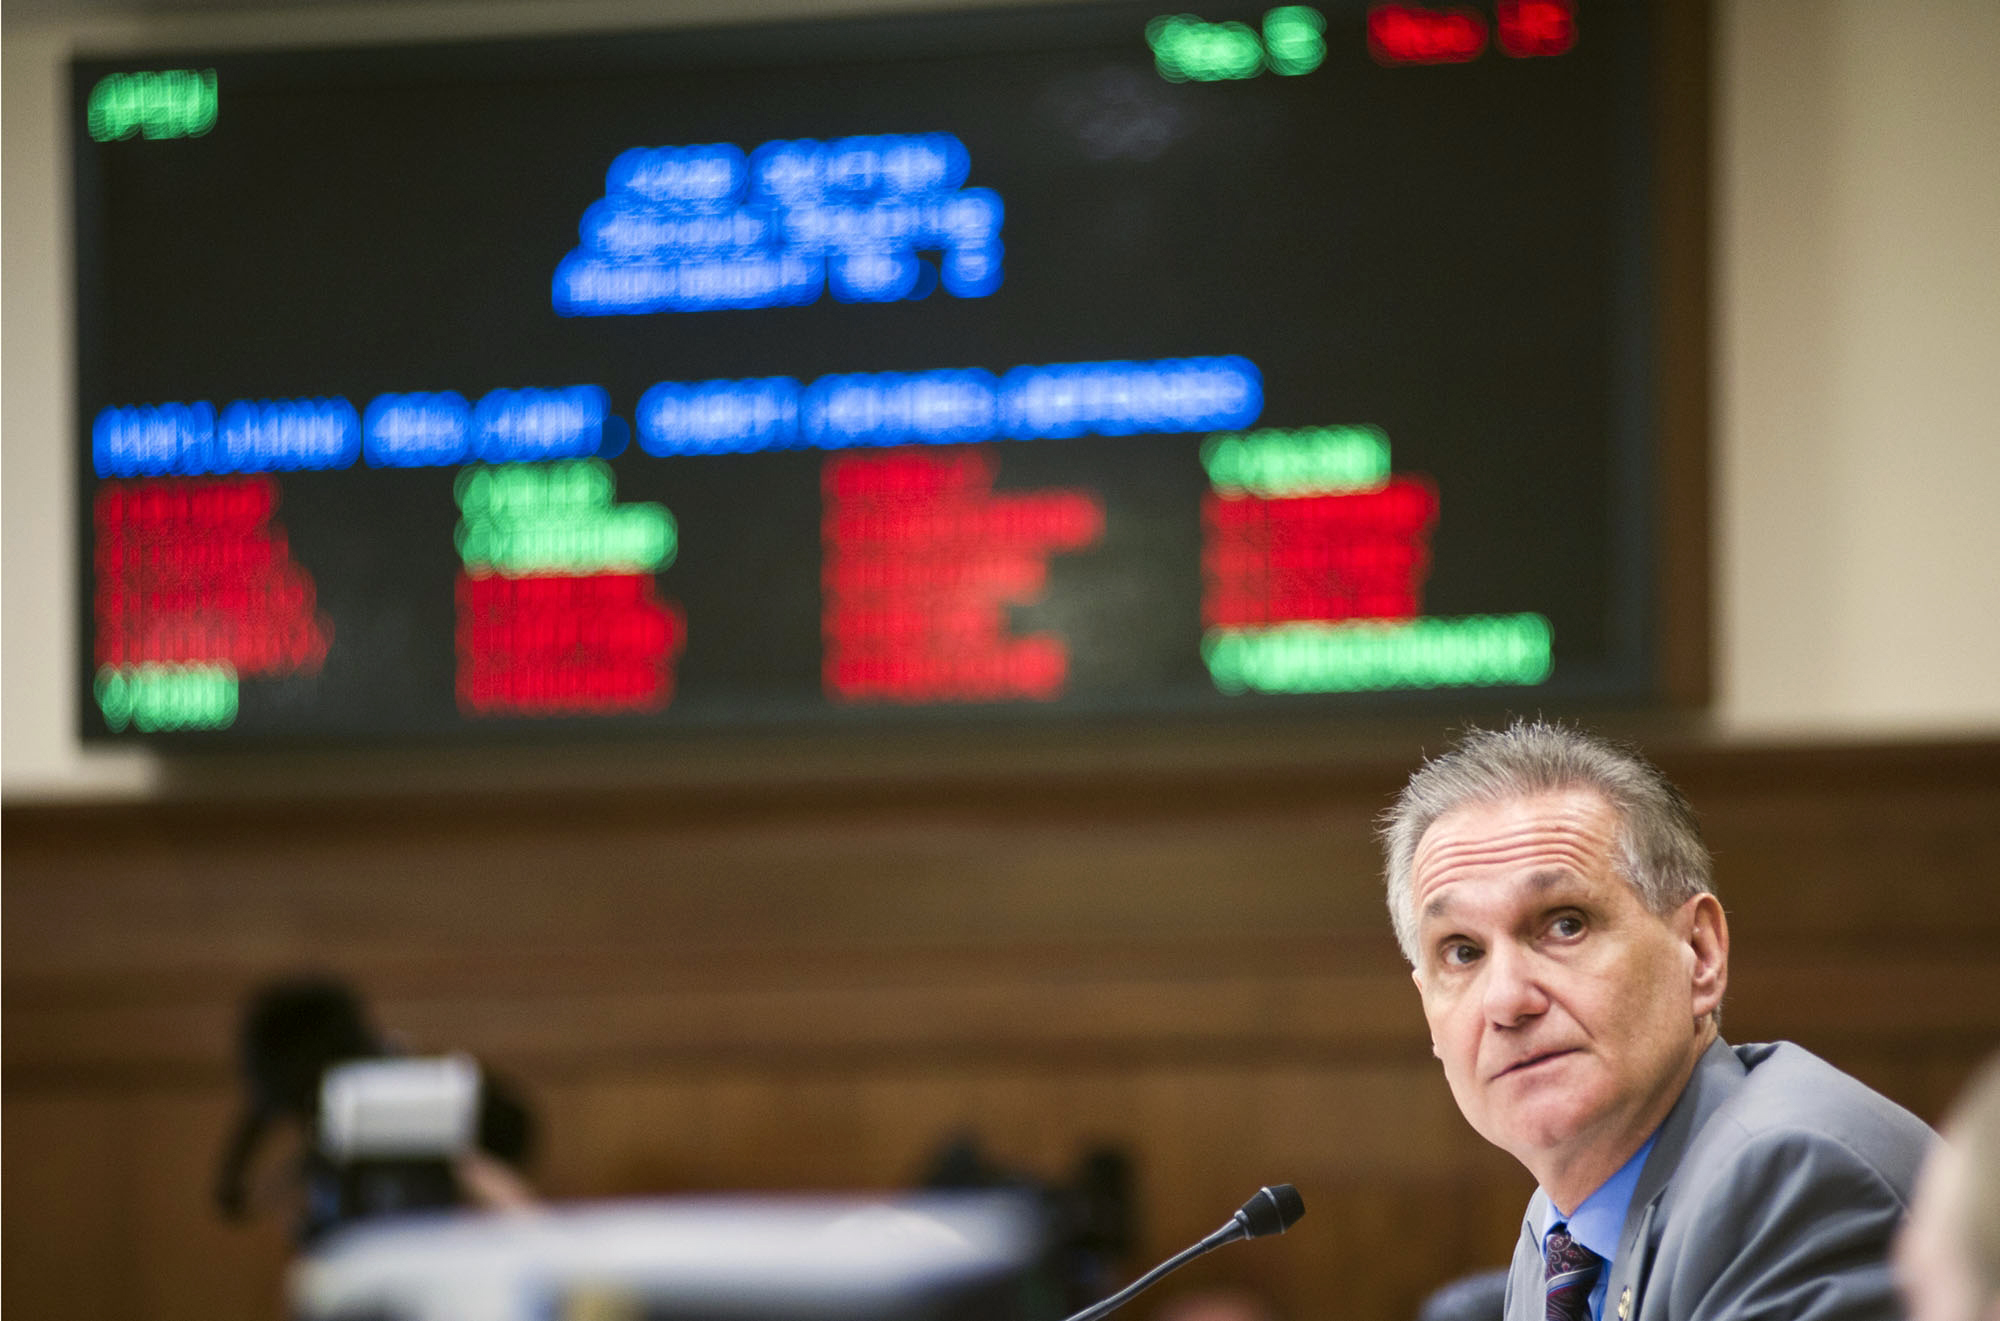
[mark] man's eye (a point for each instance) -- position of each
(1567, 927)
(1459, 954)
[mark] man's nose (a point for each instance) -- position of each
(1513, 990)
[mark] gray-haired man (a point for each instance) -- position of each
(1552, 893)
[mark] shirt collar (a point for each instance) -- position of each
(1598, 1223)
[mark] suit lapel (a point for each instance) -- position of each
(1717, 1076)
(1627, 1287)
(1524, 1282)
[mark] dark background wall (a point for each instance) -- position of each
(814, 985)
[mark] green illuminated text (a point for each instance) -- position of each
(1367, 655)
(1292, 41)
(521, 518)
(166, 698)
(1190, 49)
(1272, 462)
(169, 103)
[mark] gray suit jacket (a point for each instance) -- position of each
(1773, 1192)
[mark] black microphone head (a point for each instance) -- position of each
(1272, 1211)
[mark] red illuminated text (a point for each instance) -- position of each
(1527, 28)
(198, 572)
(1317, 557)
(922, 561)
(1412, 34)
(587, 644)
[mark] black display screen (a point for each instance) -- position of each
(1005, 365)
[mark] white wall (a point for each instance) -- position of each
(1857, 428)
(39, 751)
(1858, 366)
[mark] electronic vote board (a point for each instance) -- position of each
(1018, 365)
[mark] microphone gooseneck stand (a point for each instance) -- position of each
(1272, 1211)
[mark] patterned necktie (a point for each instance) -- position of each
(1570, 1272)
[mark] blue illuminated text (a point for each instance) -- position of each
(950, 406)
(699, 228)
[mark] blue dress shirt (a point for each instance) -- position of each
(1600, 1220)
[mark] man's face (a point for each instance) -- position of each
(1565, 1013)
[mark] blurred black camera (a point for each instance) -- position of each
(379, 1133)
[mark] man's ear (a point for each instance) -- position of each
(1706, 931)
(1417, 976)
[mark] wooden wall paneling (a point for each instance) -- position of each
(620, 1136)
(109, 1213)
(320, 886)
(189, 1264)
(70, 1230)
(1867, 866)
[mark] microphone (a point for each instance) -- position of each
(1272, 1211)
